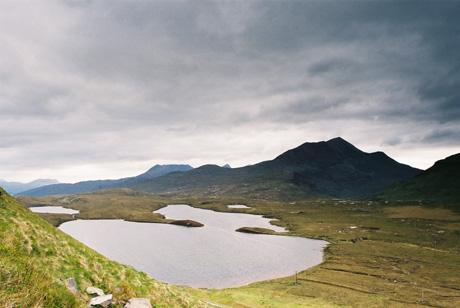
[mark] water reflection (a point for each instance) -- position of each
(213, 256)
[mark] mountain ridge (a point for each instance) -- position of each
(441, 182)
(17, 187)
(333, 168)
(94, 185)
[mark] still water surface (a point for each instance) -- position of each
(238, 206)
(213, 256)
(53, 209)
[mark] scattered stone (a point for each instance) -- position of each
(93, 290)
(71, 284)
(138, 303)
(103, 301)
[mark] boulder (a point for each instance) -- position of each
(93, 290)
(71, 284)
(103, 301)
(138, 303)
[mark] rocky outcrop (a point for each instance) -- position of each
(103, 301)
(138, 303)
(93, 290)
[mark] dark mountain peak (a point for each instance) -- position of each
(322, 153)
(333, 168)
(339, 143)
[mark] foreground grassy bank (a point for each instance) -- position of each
(396, 254)
(34, 255)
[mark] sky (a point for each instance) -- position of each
(107, 89)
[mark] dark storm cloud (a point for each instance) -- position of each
(443, 135)
(196, 54)
(159, 75)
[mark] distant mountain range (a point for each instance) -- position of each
(329, 169)
(324, 169)
(16, 187)
(441, 182)
(88, 186)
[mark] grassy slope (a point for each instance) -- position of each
(382, 254)
(34, 254)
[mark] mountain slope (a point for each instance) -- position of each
(34, 255)
(16, 187)
(88, 186)
(324, 169)
(441, 182)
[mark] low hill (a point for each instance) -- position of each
(16, 187)
(88, 186)
(441, 182)
(36, 257)
(324, 169)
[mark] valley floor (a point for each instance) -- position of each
(397, 254)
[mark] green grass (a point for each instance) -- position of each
(381, 254)
(34, 255)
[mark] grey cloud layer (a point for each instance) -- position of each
(149, 70)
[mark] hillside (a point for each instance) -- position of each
(88, 186)
(34, 255)
(324, 169)
(441, 182)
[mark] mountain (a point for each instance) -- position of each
(334, 169)
(16, 187)
(88, 186)
(441, 182)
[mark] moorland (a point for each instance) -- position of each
(394, 233)
(381, 253)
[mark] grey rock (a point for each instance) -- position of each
(138, 303)
(71, 284)
(103, 301)
(93, 290)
